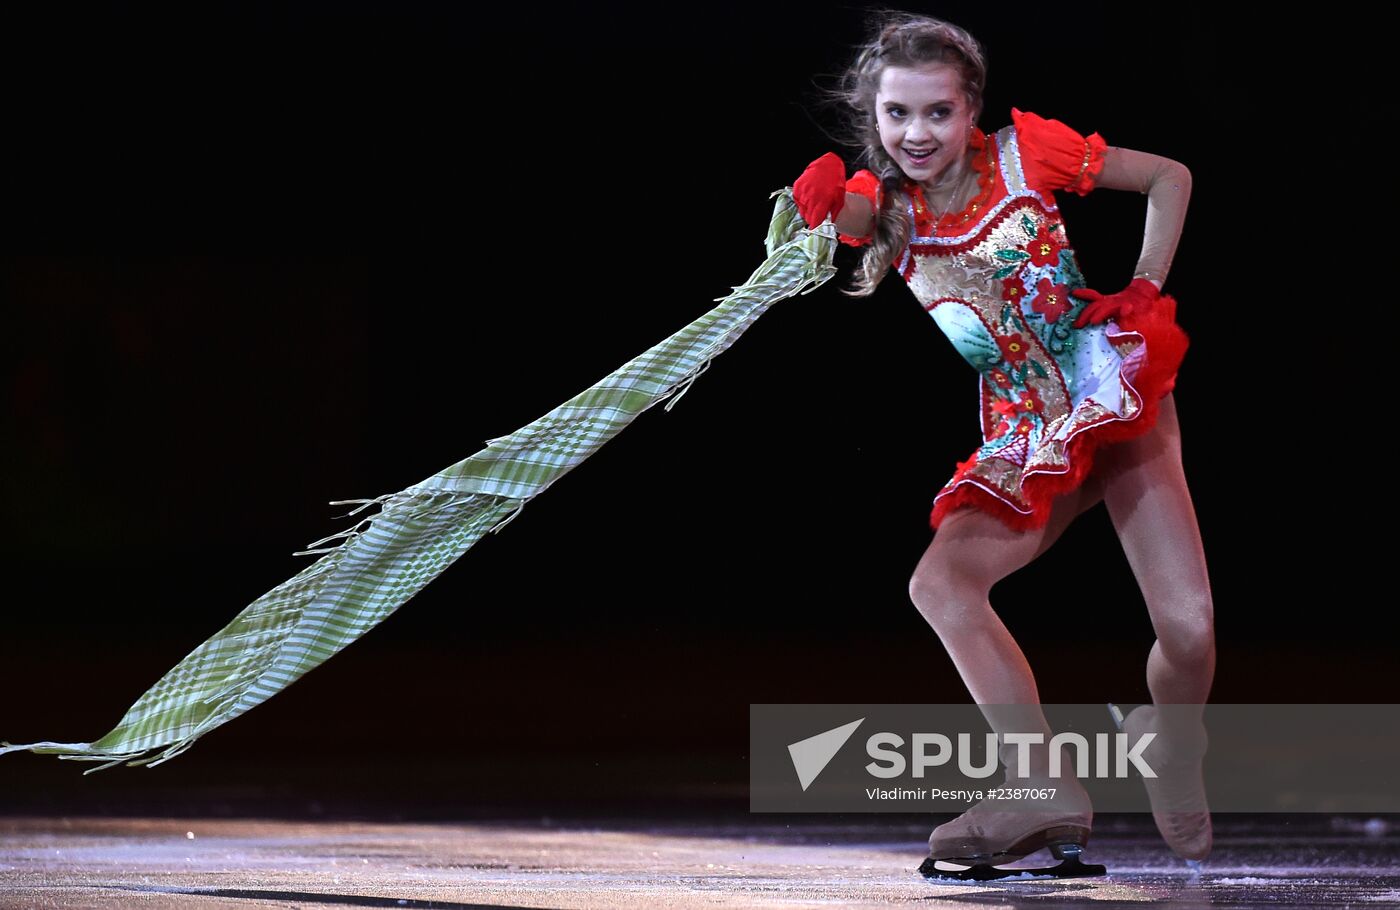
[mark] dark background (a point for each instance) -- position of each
(261, 259)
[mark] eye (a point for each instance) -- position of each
(941, 113)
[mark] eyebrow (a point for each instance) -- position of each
(930, 104)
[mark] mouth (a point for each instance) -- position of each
(919, 156)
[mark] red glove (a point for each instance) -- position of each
(1137, 297)
(821, 190)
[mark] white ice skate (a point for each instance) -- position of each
(1178, 793)
(982, 839)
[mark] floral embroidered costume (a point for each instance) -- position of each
(996, 279)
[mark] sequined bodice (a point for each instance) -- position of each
(999, 290)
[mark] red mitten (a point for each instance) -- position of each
(1137, 297)
(821, 190)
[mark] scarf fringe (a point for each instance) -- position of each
(277, 614)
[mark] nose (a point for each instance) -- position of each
(918, 131)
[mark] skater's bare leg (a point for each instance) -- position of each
(1150, 506)
(970, 553)
(1149, 503)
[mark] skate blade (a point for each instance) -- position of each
(1066, 845)
(1070, 866)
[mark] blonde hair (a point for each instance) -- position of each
(909, 40)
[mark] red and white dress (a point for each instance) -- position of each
(996, 278)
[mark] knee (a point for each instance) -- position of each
(945, 596)
(1188, 635)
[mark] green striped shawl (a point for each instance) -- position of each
(423, 529)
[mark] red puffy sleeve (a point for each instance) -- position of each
(1055, 157)
(868, 185)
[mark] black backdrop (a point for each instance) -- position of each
(262, 259)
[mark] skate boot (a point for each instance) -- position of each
(982, 838)
(1178, 792)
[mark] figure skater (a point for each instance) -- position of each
(1076, 405)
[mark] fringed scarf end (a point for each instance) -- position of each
(516, 510)
(683, 386)
(75, 752)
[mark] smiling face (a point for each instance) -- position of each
(924, 110)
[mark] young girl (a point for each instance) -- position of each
(1075, 405)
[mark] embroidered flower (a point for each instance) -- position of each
(1025, 426)
(999, 377)
(1013, 347)
(1030, 402)
(1013, 289)
(1004, 408)
(1045, 247)
(1052, 299)
(965, 466)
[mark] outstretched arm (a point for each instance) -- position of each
(1167, 184)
